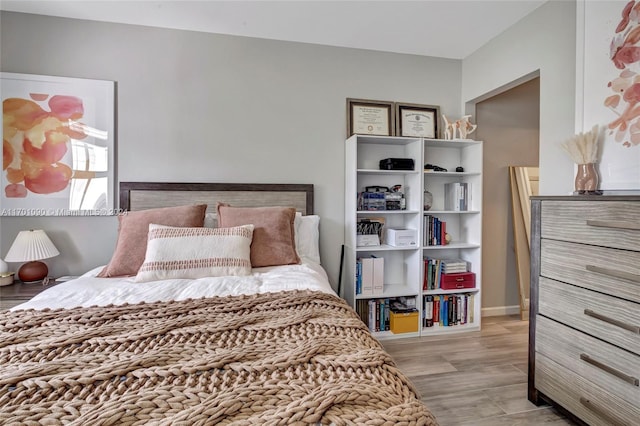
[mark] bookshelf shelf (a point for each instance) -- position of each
(386, 335)
(383, 247)
(385, 212)
(439, 329)
(449, 174)
(456, 291)
(452, 246)
(392, 290)
(404, 266)
(387, 172)
(451, 212)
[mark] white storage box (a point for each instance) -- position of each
(401, 237)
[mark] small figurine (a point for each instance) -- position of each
(461, 127)
(465, 127)
(449, 128)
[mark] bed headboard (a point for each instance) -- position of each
(148, 195)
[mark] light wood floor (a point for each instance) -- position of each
(477, 378)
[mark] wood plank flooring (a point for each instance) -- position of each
(477, 378)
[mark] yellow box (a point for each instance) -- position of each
(404, 322)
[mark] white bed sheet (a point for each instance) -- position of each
(88, 290)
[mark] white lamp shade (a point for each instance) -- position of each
(31, 245)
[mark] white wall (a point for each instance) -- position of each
(545, 40)
(197, 107)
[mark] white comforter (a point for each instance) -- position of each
(88, 290)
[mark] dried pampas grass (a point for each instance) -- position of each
(583, 147)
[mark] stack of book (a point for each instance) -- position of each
(457, 196)
(434, 231)
(448, 310)
(374, 313)
(436, 269)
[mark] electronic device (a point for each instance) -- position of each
(397, 164)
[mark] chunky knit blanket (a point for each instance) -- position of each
(294, 357)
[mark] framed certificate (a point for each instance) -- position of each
(366, 117)
(419, 121)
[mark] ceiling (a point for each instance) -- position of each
(448, 28)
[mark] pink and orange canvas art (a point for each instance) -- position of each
(57, 146)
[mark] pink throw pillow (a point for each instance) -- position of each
(273, 241)
(134, 228)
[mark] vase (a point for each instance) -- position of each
(427, 200)
(586, 178)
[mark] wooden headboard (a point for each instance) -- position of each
(147, 195)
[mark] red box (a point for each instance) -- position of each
(458, 281)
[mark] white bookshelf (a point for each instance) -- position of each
(464, 227)
(404, 266)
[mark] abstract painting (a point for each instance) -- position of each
(609, 83)
(57, 146)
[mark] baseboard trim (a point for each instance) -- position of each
(497, 311)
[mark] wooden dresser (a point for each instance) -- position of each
(584, 329)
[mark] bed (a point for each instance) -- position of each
(274, 345)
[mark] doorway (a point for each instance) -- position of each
(509, 125)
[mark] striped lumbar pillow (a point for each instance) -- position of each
(176, 252)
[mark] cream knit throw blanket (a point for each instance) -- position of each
(294, 357)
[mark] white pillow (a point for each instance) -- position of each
(307, 236)
(210, 220)
(175, 252)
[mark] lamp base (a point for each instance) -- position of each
(33, 271)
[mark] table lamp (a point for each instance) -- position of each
(32, 246)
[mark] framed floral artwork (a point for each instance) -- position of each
(58, 146)
(608, 88)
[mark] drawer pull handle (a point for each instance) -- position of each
(614, 273)
(632, 328)
(620, 224)
(619, 374)
(610, 418)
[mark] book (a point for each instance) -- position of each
(366, 276)
(387, 317)
(454, 265)
(371, 322)
(378, 275)
(456, 196)
(428, 311)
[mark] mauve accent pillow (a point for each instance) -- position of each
(134, 229)
(273, 241)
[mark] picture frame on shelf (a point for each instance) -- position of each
(416, 120)
(370, 117)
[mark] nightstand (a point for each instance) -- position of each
(19, 292)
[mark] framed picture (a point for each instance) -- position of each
(606, 84)
(421, 121)
(58, 146)
(367, 117)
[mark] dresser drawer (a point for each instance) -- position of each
(583, 398)
(611, 271)
(606, 365)
(608, 318)
(611, 224)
